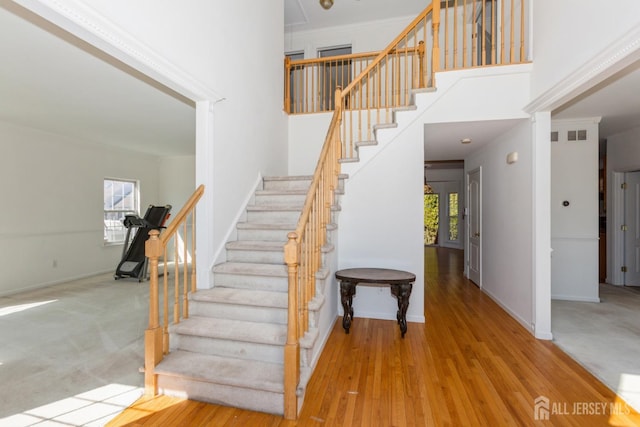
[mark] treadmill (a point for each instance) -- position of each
(134, 262)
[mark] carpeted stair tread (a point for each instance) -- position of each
(298, 177)
(282, 208)
(235, 330)
(281, 192)
(249, 374)
(251, 269)
(256, 245)
(266, 226)
(243, 296)
(289, 178)
(275, 208)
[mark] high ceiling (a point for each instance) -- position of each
(55, 82)
(302, 15)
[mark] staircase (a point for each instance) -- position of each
(249, 342)
(230, 349)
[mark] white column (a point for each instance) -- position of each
(541, 130)
(204, 211)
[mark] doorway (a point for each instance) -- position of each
(442, 214)
(474, 225)
(631, 229)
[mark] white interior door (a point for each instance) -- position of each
(474, 257)
(632, 232)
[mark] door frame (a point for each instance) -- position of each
(629, 230)
(467, 239)
(615, 235)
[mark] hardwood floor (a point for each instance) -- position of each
(470, 364)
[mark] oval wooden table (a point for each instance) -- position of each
(400, 282)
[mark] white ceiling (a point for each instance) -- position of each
(52, 81)
(302, 15)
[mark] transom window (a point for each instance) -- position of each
(120, 199)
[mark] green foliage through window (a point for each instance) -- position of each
(431, 217)
(453, 216)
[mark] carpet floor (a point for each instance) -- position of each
(71, 353)
(604, 337)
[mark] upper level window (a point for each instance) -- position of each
(120, 199)
(333, 74)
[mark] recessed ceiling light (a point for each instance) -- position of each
(466, 140)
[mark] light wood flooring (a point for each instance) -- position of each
(470, 364)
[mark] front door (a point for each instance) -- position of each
(632, 233)
(474, 196)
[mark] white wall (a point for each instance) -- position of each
(381, 225)
(307, 133)
(235, 48)
(507, 227)
(574, 228)
(582, 27)
(53, 210)
(176, 180)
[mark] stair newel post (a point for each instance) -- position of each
(292, 347)
(287, 84)
(153, 334)
(435, 51)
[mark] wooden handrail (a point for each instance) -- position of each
(350, 56)
(388, 49)
(156, 341)
(302, 254)
(180, 217)
(317, 174)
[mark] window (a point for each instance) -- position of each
(453, 216)
(333, 74)
(120, 199)
(431, 216)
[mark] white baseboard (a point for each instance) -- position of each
(55, 282)
(528, 326)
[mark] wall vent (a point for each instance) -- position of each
(577, 135)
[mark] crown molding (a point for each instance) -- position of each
(616, 57)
